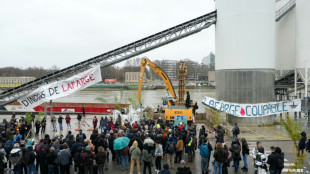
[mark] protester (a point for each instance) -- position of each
(68, 120)
(235, 153)
(302, 143)
(179, 151)
(135, 153)
(60, 118)
(158, 155)
(205, 154)
(88, 160)
(245, 153)
(16, 158)
(147, 158)
(235, 132)
(219, 158)
(280, 164)
(182, 169)
(101, 159)
(95, 121)
(124, 157)
(43, 125)
(170, 150)
(260, 162)
(166, 169)
(53, 120)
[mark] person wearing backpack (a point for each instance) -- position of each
(273, 160)
(180, 147)
(235, 153)
(124, 158)
(77, 158)
(219, 158)
(235, 132)
(260, 161)
(158, 155)
(170, 150)
(88, 160)
(16, 158)
(135, 157)
(42, 158)
(205, 154)
(30, 158)
(100, 159)
(3, 160)
(147, 158)
(280, 159)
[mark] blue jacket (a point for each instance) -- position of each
(204, 151)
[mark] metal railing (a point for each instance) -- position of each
(285, 9)
(115, 56)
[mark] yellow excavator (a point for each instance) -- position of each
(173, 106)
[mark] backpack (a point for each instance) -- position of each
(171, 148)
(235, 151)
(80, 136)
(77, 159)
(89, 159)
(280, 161)
(8, 147)
(236, 131)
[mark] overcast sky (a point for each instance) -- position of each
(62, 33)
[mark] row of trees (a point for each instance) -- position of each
(195, 71)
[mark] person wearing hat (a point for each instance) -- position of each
(135, 153)
(88, 160)
(166, 169)
(183, 169)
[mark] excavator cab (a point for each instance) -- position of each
(168, 101)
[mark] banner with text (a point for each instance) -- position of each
(253, 110)
(61, 88)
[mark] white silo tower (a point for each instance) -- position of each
(245, 54)
(303, 40)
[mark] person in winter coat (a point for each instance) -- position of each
(16, 158)
(302, 143)
(102, 124)
(64, 159)
(158, 155)
(38, 126)
(166, 170)
(43, 125)
(9, 133)
(135, 153)
(30, 158)
(42, 159)
(260, 161)
(245, 154)
(205, 154)
(219, 158)
(95, 121)
(52, 161)
(60, 118)
(180, 147)
(147, 158)
(100, 159)
(281, 156)
(8, 147)
(88, 160)
(183, 169)
(272, 161)
(53, 120)
(308, 150)
(68, 120)
(235, 153)
(170, 150)
(78, 164)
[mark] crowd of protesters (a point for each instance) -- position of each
(150, 142)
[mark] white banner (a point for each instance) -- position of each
(253, 110)
(62, 88)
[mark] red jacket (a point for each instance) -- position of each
(68, 118)
(95, 121)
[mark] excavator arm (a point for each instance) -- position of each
(159, 72)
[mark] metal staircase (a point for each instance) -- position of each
(115, 56)
(285, 9)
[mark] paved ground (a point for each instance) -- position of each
(270, 136)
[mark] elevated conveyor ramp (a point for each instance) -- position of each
(115, 56)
